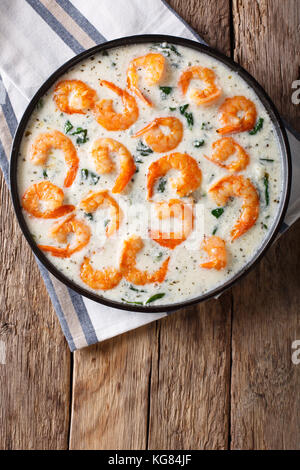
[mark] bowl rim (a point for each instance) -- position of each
(264, 98)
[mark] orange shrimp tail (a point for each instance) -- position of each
(166, 240)
(138, 93)
(60, 211)
(160, 275)
(106, 279)
(71, 175)
(242, 227)
(57, 252)
(229, 129)
(128, 264)
(125, 176)
(215, 247)
(145, 129)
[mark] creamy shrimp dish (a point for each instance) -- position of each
(150, 174)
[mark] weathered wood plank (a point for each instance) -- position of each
(190, 379)
(110, 392)
(113, 380)
(265, 410)
(35, 380)
(210, 19)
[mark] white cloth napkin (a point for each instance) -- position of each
(36, 37)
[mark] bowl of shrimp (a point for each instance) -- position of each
(150, 173)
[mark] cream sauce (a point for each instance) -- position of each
(185, 278)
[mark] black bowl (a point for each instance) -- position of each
(151, 38)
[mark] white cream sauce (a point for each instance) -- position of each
(185, 278)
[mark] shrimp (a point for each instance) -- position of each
(74, 96)
(128, 264)
(60, 232)
(50, 196)
(106, 279)
(183, 212)
(238, 186)
(216, 250)
(104, 164)
(238, 114)
(102, 198)
(47, 141)
(154, 64)
(200, 97)
(191, 174)
(107, 117)
(225, 148)
(157, 140)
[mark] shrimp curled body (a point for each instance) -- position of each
(176, 209)
(238, 186)
(106, 115)
(209, 94)
(47, 141)
(48, 194)
(154, 64)
(131, 247)
(225, 148)
(60, 232)
(74, 96)
(238, 114)
(105, 279)
(101, 150)
(102, 198)
(216, 250)
(189, 180)
(156, 139)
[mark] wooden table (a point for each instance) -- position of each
(215, 376)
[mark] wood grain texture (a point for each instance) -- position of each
(110, 392)
(265, 410)
(209, 18)
(165, 385)
(266, 43)
(189, 403)
(35, 381)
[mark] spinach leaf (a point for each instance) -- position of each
(190, 119)
(258, 126)
(143, 149)
(82, 135)
(89, 215)
(165, 91)
(217, 212)
(183, 108)
(68, 127)
(155, 297)
(266, 185)
(84, 173)
(136, 303)
(162, 185)
(198, 143)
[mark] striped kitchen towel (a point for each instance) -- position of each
(37, 36)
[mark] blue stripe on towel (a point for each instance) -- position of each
(4, 163)
(9, 114)
(56, 304)
(82, 21)
(57, 27)
(83, 316)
